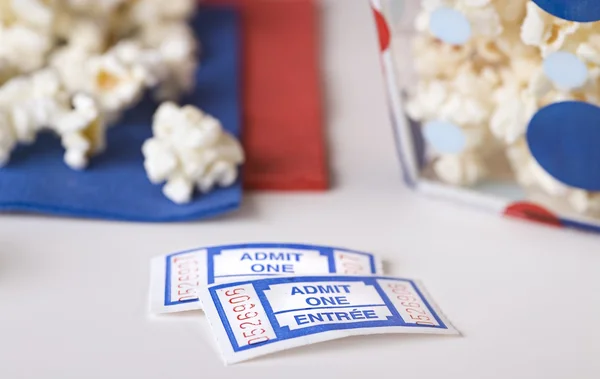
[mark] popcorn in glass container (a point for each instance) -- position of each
(497, 102)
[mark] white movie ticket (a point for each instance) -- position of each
(258, 317)
(175, 277)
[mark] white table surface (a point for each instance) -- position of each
(526, 297)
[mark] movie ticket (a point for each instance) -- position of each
(258, 317)
(175, 277)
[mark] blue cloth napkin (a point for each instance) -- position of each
(115, 185)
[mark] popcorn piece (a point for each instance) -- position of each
(434, 59)
(190, 148)
(23, 49)
(116, 85)
(589, 50)
(179, 189)
(515, 108)
(75, 155)
(71, 65)
(460, 170)
(512, 47)
(428, 99)
(159, 169)
(530, 174)
(176, 50)
(464, 101)
(514, 103)
(87, 34)
(31, 104)
(83, 131)
(470, 103)
(37, 13)
(25, 36)
(545, 31)
(585, 202)
(222, 173)
(162, 59)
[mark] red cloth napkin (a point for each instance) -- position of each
(283, 119)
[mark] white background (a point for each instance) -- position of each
(526, 297)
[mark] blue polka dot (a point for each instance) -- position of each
(572, 10)
(565, 70)
(565, 140)
(450, 26)
(445, 137)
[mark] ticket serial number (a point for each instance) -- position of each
(410, 305)
(248, 322)
(185, 269)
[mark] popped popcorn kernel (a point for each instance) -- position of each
(190, 149)
(74, 66)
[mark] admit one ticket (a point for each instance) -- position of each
(175, 277)
(258, 317)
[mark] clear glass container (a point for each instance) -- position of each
(496, 102)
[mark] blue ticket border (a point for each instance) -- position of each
(284, 333)
(215, 250)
